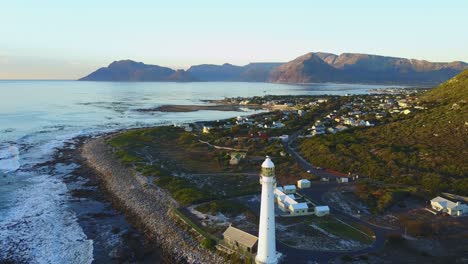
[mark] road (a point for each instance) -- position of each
(304, 164)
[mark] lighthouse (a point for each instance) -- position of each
(266, 252)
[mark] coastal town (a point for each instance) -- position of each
(211, 171)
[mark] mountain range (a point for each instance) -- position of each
(309, 68)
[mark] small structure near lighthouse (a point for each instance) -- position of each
(266, 249)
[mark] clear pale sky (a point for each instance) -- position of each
(61, 39)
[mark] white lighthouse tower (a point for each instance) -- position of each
(266, 253)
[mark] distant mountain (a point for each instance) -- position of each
(253, 72)
(311, 67)
(363, 68)
(131, 71)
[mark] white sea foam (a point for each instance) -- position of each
(40, 228)
(9, 158)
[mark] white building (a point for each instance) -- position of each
(322, 210)
(441, 204)
(298, 208)
(266, 252)
(277, 124)
(342, 180)
(318, 129)
(287, 203)
(406, 111)
(289, 189)
(302, 184)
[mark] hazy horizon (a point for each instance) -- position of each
(62, 40)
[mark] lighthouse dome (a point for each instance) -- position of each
(268, 163)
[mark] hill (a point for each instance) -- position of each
(364, 68)
(131, 71)
(253, 72)
(428, 149)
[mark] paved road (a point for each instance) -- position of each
(304, 164)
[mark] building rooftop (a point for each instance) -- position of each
(240, 236)
(299, 206)
(322, 208)
(444, 202)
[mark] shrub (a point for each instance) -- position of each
(208, 243)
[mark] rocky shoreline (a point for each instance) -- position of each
(147, 205)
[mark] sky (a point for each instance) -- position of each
(57, 39)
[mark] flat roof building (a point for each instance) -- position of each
(240, 240)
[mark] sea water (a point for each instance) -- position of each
(37, 223)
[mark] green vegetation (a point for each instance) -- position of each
(157, 152)
(228, 208)
(329, 224)
(381, 196)
(428, 149)
(338, 228)
(208, 243)
(191, 224)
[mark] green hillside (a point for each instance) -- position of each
(452, 91)
(429, 149)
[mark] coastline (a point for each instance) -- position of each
(148, 206)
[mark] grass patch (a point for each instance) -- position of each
(337, 228)
(182, 190)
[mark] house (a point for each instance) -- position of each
(342, 180)
(318, 129)
(369, 124)
(236, 157)
(302, 184)
(187, 128)
(300, 112)
(349, 121)
(403, 103)
(277, 124)
(284, 138)
(289, 189)
(298, 208)
(340, 128)
(206, 129)
(240, 240)
(406, 111)
(322, 210)
(443, 205)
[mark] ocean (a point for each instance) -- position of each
(39, 218)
